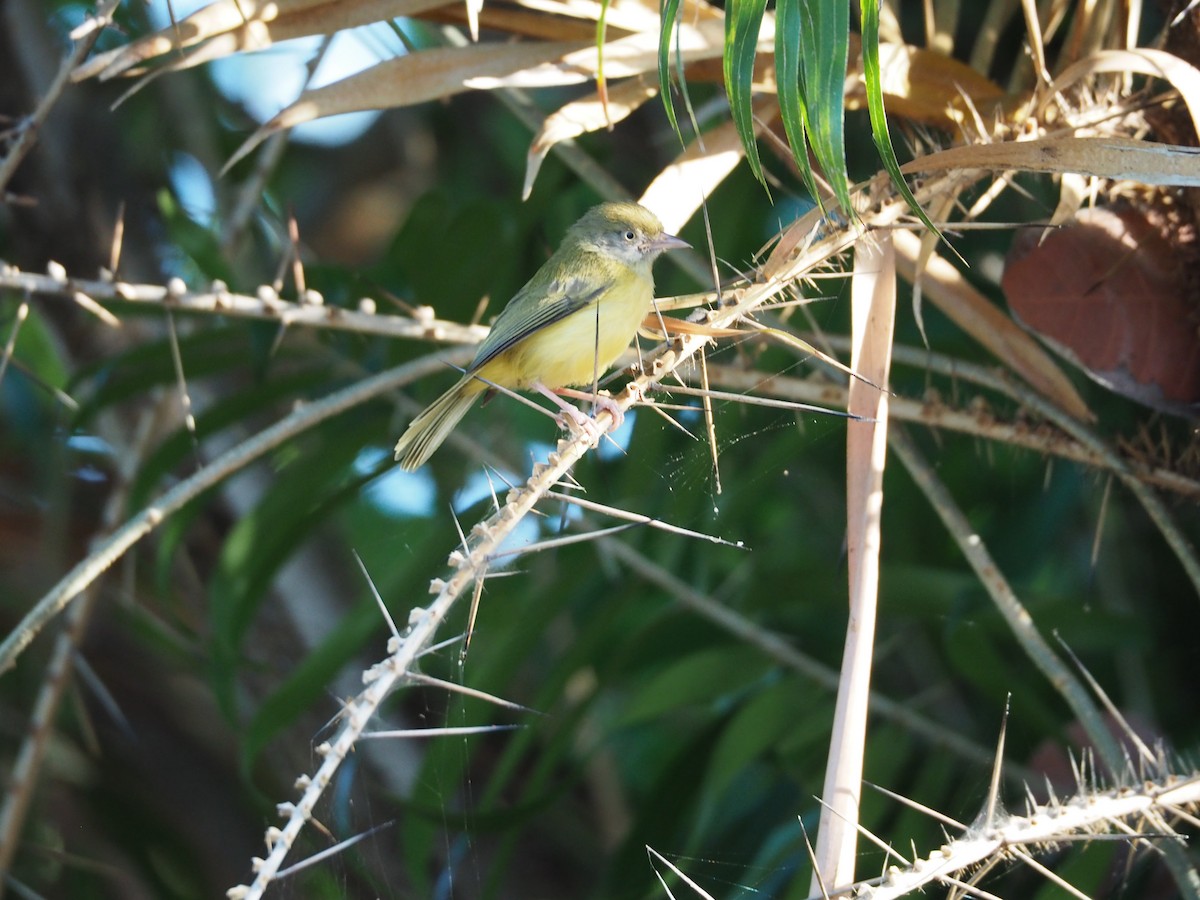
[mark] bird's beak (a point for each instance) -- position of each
(666, 242)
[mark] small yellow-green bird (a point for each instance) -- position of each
(565, 327)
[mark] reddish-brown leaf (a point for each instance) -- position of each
(1112, 294)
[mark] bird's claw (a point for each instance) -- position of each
(574, 420)
(605, 402)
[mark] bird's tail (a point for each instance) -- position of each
(427, 431)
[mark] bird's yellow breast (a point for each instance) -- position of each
(582, 346)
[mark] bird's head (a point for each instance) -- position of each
(624, 231)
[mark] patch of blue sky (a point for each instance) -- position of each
(690, 416)
(413, 494)
(90, 444)
(481, 484)
(395, 492)
(537, 451)
(90, 447)
(193, 187)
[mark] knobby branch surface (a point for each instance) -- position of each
(309, 311)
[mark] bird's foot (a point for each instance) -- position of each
(577, 421)
(605, 402)
(602, 400)
(573, 418)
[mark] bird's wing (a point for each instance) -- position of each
(525, 315)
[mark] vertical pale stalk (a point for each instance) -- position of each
(873, 306)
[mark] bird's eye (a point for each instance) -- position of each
(629, 235)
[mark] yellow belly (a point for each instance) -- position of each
(579, 348)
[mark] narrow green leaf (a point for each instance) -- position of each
(669, 15)
(695, 680)
(824, 29)
(756, 728)
(37, 345)
(787, 75)
(235, 408)
(743, 19)
(879, 127)
(131, 374)
(601, 35)
(37, 363)
(312, 480)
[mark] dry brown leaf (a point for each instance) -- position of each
(1118, 158)
(204, 23)
(1183, 76)
(790, 243)
(624, 57)
(654, 324)
(583, 115)
(946, 288)
(712, 70)
(406, 80)
(1114, 296)
(517, 21)
(235, 26)
(928, 87)
(626, 17)
(257, 35)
